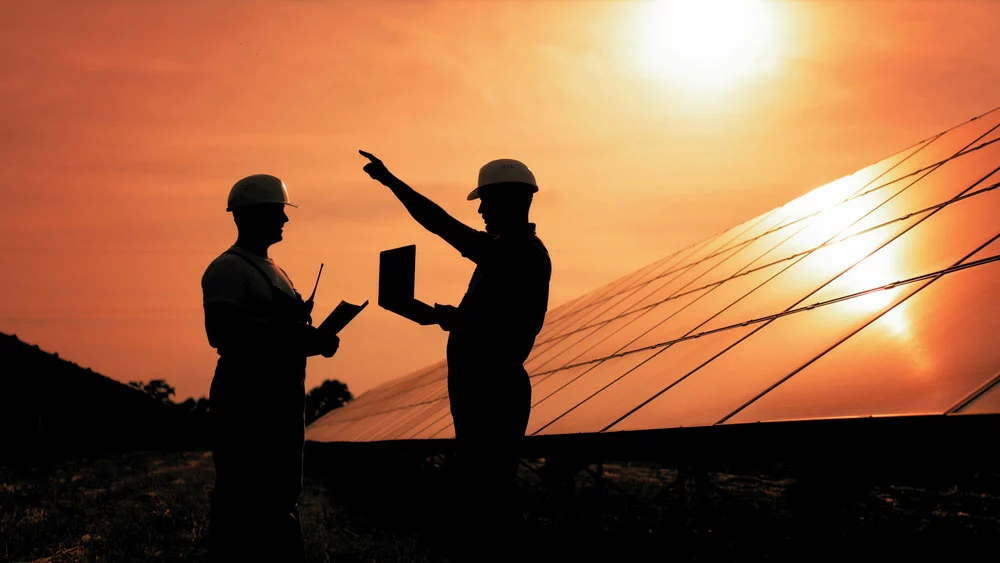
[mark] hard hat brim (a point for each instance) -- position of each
(475, 194)
(262, 203)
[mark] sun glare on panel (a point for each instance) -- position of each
(707, 42)
(827, 198)
(870, 273)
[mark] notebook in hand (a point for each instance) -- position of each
(341, 315)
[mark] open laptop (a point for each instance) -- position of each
(396, 276)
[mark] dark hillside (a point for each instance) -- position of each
(51, 407)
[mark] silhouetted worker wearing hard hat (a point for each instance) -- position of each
(491, 333)
(262, 330)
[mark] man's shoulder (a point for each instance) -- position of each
(527, 252)
(537, 248)
(227, 259)
(537, 243)
(226, 264)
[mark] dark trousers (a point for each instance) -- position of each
(490, 421)
(254, 529)
(257, 439)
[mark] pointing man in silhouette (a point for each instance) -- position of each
(262, 330)
(491, 333)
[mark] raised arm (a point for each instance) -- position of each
(429, 214)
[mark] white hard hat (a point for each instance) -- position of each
(257, 189)
(504, 171)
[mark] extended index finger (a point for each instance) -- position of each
(369, 156)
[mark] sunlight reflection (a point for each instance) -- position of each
(827, 225)
(878, 270)
(897, 324)
(866, 275)
(895, 321)
(861, 265)
(827, 195)
(836, 258)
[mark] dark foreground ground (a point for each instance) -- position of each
(153, 506)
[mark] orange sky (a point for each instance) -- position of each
(123, 125)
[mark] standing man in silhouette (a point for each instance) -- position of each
(262, 330)
(491, 333)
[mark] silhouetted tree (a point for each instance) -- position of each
(157, 389)
(329, 395)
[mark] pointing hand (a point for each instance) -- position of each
(376, 169)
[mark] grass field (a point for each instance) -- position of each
(153, 506)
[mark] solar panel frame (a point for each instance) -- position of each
(985, 400)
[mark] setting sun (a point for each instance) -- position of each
(707, 42)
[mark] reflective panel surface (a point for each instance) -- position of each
(941, 240)
(805, 276)
(987, 403)
(560, 399)
(773, 351)
(957, 176)
(908, 361)
(617, 394)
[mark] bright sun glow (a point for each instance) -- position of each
(708, 42)
(869, 272)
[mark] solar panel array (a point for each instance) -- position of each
(873, 295)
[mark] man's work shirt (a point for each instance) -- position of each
(260, 375)
(232, 278)
(504, 307)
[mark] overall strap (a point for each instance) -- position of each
(285, 302)
(255, 265)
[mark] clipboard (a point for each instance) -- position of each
(341, 315)
(396, 276)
